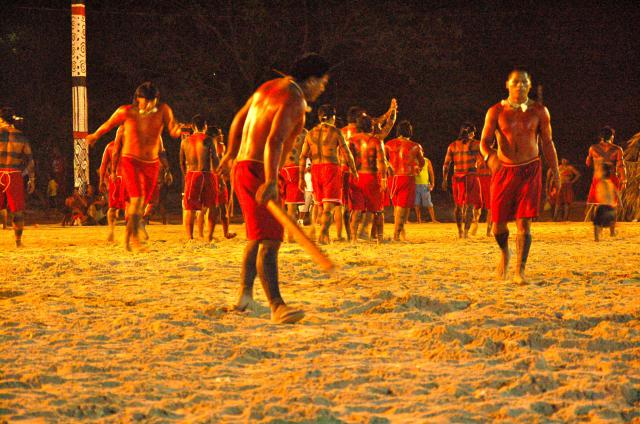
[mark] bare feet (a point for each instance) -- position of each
(503, 265)
(519, 278)
(474, 228)
(244, 301)
(230, 235)
(110, 237)
(19, 244)
(284, 314)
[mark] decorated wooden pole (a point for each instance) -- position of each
(79, 92)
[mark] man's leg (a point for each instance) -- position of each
(501, 234)
(225, 221)
(111, 222)
(565, 212)
(327, 214)
(458, 213)
(267, 266)
(337, 218)
(18, 227)
(364, 223)
(355, 223)
(4, 216)
(378, 222)
(474, 221)
(523, 244)
(247, 275)
(212, 213)
(291, 211)
(400, 216)
(135, 211)
(199, 222)
(488, 222)
(188, 220)
(417, 209)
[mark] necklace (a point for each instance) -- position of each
(145, 112)
(522, 106)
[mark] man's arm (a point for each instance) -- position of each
(576, 174)
(432, 175)
(344, 147)
(183, 158)
(445, 168)
(389, 119)
(589, 160)
(420, 157)
(548, 148)
(235, 136)
(620, 167)
(488, 134)
(117, 118)
(104, 166)
(382, 164)
(173, 127)
(30, 166)
(116, 150)
(302, 163)
(214, 161)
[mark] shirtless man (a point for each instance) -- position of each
(143, 122)
(15, 155)
(605, 152)
(221, 179)
(464, 153)
(516, 185)
(111, 184)
(564, 195)
(261, 135)
(323, 145)
(366, 193)
(199, 158)
(407, 160)
(290, 177)
(347, 131)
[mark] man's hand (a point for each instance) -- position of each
(555, 178)
(383, 185)
(394, 104)
(168, 178)
(31, 186)
(302, 186)
(267, 191)
(355, 175)
(445, 186)
(430, 187)
(103, 187)
(91, 139)
(224, 168)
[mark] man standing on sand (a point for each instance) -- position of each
(290, 178)
(564, 196)
(111, 184)
(605, 152)
(223, 191)
(516, 184)
(367, 193)
(261, 135)
(199, 158)
(406, 159)
(143, 122)
(464, 153)
(323, 145)
(15, 155)
(425, 181)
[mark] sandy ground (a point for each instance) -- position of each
(413, 332)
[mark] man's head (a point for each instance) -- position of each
(146, 95)
(607, 134)
(404, 129)
(7, 114)
(213, 131)
(564, 161)
(199, 123)
(353, 113)
(327, 113)
(467, 131)
(519, 84)
(364, 123)
(311, 71)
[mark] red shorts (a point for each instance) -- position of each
(485, 190)
(515, 191)
(117, 194)
(291, 192)
(403, 191)
(346, 178)
(11, 189)
(260, 224)
(466, 190)
(565, 195)
(386, 194)
(366, 194)
(200, 190)
(591, 199)
(139, 177)
(326, 179)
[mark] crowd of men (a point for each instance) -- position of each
(354, 173)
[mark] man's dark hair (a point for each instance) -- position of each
(520, 70)
(326, 111)
(147, 91)
(353, 113)
(607, 132)
(364, 123)
(404, 129)
(7, 113)
(198, 122)
(213, 131)
(309, 65)
(465, 129)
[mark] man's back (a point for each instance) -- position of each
(403, 156)
(605, 152)
(323, 141)
(464, 156)
(198, 149)
(367, 152)
(14, 148)
(278, 99)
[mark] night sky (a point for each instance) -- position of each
(445, 62)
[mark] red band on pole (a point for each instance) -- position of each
(77, 9)
(79, 134)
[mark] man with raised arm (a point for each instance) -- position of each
(143, 123)
(323, 144)
(367, 193)
(516, 184)
(261, 135)
(15, 156)
(407, 160)
(198, 153)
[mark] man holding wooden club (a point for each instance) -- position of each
(261, 135)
